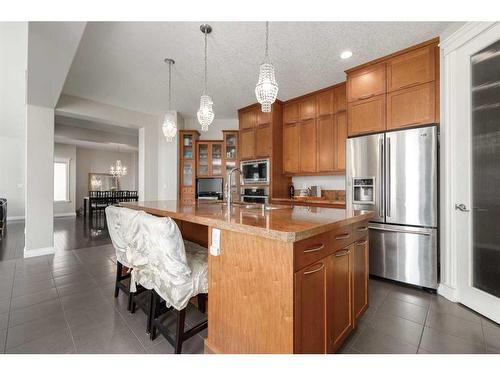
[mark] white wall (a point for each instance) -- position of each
(13, 65)
(62, 153)
(39, 179)
(325, 182)
(215, 130)
(99, 161)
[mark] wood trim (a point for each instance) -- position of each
(298, 98)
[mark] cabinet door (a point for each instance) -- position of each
(187, 173)
(248, 119)
(231, 145)
(326, 144)
(247, 142)
(216, 159)
(263, 117)
(203, 159)
(308, 146)
(366, 116)
(412, 106)
(339, 297)
(411, 68)
(326, 103)
(310, 309)
(340, 141)
(308, 108)
(263, 140)
(291, 113)
(187, 145)
(340, 99)
(291, 148)
(366, 83)
(360, 278)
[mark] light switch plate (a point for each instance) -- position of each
(215, 247)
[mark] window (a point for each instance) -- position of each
(61, 181)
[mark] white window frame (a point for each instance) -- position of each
(66, 161)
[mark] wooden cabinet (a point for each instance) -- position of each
(360, 271)
(411, 68)
(247, 144)
(366, 116)
(340, 100)
(263, 141)
(366, 83)
(209, 158)
(291, 138)
(231, 157)
(187, 164)
(263, 118)
(412, 106)
(326, 143)
(310, 308)
(326, 103)
(248, 119)
(340, 295)
(340, 139)
(307, 146)
(291, 113)
(307, 108)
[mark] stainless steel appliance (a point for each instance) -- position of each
(209, 188)
(255, 194)
(255, 171)
(395, 175)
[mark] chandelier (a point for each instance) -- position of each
(266, 90)
(118, 170)
(206, 113)
(169, 126)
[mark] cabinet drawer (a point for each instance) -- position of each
(311, 250)
(341, 237)
(187, 191)
(359, 230)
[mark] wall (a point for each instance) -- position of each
(214, 130)
(325, 182)
(66, 152)
(13, 65)
(99, 161)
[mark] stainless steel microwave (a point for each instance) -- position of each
(255, 171)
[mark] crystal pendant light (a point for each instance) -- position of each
(206, 113)
(169, 126)
(118, 170)
(266, 90)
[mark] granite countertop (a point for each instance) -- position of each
(316, 201)
(284, 223)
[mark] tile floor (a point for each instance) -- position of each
(64, 304)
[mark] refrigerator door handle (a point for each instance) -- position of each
(380, 183)
(401, 231)
(388, 175)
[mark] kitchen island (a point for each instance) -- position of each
(287, 279)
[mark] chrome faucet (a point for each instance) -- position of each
(228, 186)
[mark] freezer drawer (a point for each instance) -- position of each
(406, 254)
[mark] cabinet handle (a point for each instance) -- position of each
(362, 229)
(312, 249)
(362, 243)
(343, 236)
(316, 270)
(408, 85)
(366, 96)
(342, 253)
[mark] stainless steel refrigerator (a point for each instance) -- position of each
(395, 174)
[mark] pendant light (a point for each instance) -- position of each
(266, 90)
(206, 113)
(169, 126)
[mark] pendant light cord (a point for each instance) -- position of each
(169, 86)
(205, 88)
(267, 42)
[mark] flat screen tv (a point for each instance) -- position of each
(209, 187)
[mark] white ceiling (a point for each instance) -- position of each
(121, 63)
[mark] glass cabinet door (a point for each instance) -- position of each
(187, 146)
(203, 159)
(231, 144)
(187, 173)
(216, 159)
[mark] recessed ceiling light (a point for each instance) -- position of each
(346, 54)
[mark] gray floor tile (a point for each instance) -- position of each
(105, 322)
(411, 295)
(70, 270)
(34, 330)
(440, 343)
(372, 341)
(4, 305)
(376, 298)
(194, 316)
(423, 351)
(77, 287)
(442, 305)
(34, 312)
(399, 328)
(91, 314)
(102, 340)
(451, 325)
(33, 299)
(4, 321)
(3, 337)
(73, 278)
(137, 323)
(81, 300)
(57, 343)
(194, 345)
(347, 350)
(404, 310)
(492, 335)
(27, 277)
(22, 289)
(104, 279)
(6, 294)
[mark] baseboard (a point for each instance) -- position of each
(15, 218)
(39, 252)
(447, 292)
(67, 214)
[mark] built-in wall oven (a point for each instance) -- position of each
(255, 194)
(255, 172)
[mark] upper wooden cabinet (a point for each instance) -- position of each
(411, 68)
(248, 119)
(366, 116)
(247, 143)
(326, 133)
(366, 83)
(412, 106)
(291, 113)
(263, 141)
(307, 146)
(264, 118)
(325, 103)
(209, 158)
(340, 141)
(340, 99)
(291, 138)
(307, 108)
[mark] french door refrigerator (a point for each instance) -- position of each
(395, 174)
